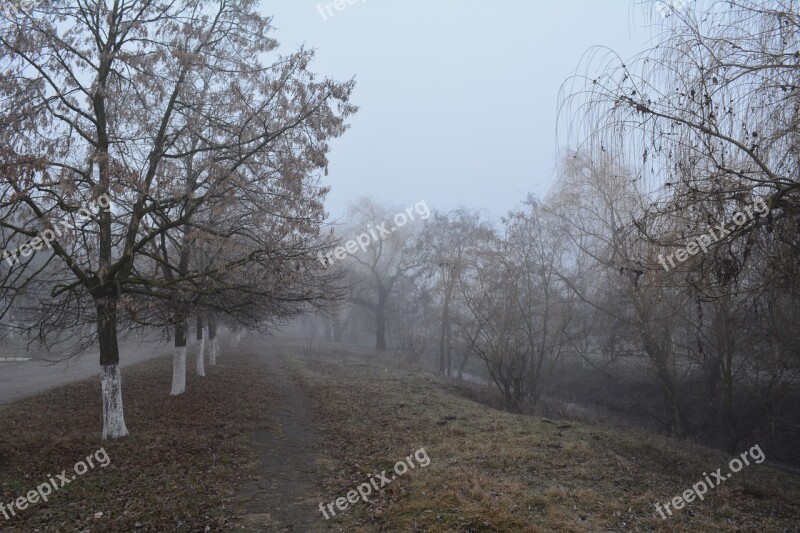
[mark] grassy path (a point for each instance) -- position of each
(269, 434)
(499, 472)
(283, 495)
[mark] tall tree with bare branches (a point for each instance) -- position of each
(105, 98)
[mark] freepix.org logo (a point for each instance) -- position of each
(45, 238)
(374, 234)
(327, 10)
(704, 241)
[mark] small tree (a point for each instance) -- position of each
(448, 241)
(518, 304)
(382, 264)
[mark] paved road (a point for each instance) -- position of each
(21, 379)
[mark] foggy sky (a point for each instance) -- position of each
(458, 99)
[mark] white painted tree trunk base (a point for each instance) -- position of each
(113, 415)
(201, 358)
(179, 371)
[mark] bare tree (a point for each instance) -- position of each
(379, 267)
(518, 304)
(104, 108)
(709, 112)
(447, 242)
(615, 270)
(706, 121)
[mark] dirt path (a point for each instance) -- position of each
(284, 498)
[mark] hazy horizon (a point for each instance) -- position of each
(451, 140)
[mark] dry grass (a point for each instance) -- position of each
(176, 472)
(494, 471)
(490, 470)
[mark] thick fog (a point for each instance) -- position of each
(384, 265)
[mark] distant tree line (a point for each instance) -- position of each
(698, 136)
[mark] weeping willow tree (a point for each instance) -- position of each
(713, 108)
(708, 121)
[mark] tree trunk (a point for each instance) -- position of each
(201, 348)
(213, 346)
(443, 341)
(179, 360)
(448, 351)
(110, 379)
(444, 337)
(464, 360)
(659, 354)
(338, 330)
(237, 338)
(380, 332)
(380, 321)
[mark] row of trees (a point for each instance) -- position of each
(209, 145)
(697, 132)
